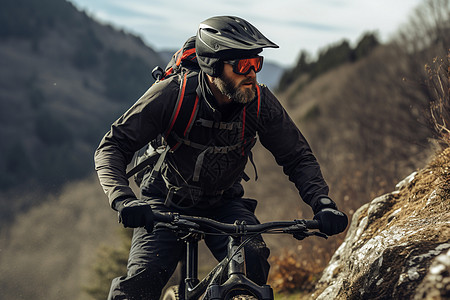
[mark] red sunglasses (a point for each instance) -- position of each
(243, 66)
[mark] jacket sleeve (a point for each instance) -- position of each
(279, 134)
(134, 129)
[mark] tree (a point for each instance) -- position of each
(367, 43)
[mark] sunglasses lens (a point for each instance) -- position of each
(244, 66)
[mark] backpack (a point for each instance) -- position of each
(184, 64)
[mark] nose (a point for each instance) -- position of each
(252, 73)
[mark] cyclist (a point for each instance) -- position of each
(205, 180)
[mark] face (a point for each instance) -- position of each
(239, 88)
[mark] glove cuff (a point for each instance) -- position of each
(321, 203)
(119, 204)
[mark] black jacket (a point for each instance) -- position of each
(151, 114)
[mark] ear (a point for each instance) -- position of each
(210, 79)
(210, 65)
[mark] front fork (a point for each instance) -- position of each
(237, 275)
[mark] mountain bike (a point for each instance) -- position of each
(227, 280)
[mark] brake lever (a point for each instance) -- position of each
(319, 234)
(179, 224)
(183, 233)
(187, 224)
(166, 225)
(302, 232)
(295, 228)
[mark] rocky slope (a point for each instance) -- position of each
(398, 245)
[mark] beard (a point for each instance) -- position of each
(236, 92)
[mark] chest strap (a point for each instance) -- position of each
(205, 149)
(157, 168)
(190, 196)
(219, 125)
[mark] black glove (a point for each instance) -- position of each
(135, 213)
(332, 220)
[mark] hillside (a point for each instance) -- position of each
(64, 79)
(369, 121)
(48, 252)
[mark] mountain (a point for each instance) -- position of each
(270, 74)
(64, 79)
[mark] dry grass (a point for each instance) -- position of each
(431, 190)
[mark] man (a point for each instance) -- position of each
(203, 175)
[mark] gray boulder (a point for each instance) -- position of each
(398, 245)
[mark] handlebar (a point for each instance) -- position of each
(205, 224)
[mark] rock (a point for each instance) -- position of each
(398, 245)
(405, 182)
(436, 284)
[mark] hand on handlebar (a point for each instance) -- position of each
(135, 213)
(332, 220)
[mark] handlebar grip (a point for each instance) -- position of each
(313, 224)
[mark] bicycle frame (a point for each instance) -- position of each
(233, 264)
(228, 278)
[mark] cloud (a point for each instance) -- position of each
(293, 24)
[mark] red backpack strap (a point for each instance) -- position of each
(185, 57)
(185, 109)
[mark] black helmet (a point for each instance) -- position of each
(224, 37)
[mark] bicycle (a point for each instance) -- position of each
(227, 280)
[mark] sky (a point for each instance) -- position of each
(294, 25)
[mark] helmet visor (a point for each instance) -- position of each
(243, 66)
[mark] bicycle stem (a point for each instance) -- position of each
(236, 257)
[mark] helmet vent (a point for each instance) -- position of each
(212, 30)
